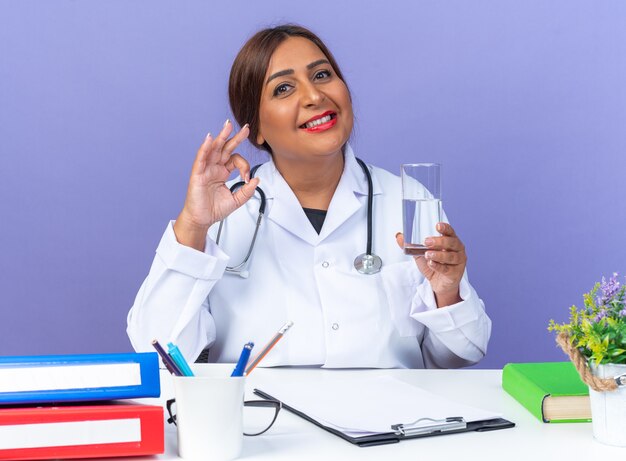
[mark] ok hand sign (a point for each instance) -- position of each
(208, 199)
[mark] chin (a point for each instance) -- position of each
(327, 150)
(328, 145)
(316, 146)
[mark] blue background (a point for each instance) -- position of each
(103, 105)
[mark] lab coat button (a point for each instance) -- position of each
(335, 326)
(325, 264)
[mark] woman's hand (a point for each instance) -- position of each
(208, 199)
(443, 264)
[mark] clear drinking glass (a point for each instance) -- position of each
(421, 205)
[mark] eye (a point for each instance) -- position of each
(322, 74)
(281, 89)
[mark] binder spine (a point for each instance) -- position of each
(150, 442)
(149, 385)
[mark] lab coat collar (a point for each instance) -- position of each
(285, 210)
(353, 173)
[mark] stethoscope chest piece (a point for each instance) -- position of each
(368, 264)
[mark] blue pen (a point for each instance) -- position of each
(179, 359)
(243, 360)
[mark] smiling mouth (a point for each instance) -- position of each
(319, 121)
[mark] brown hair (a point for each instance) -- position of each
(247, 74)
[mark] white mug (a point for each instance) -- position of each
(209, 413)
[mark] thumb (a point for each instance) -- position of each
(400, 239)
(245, 192)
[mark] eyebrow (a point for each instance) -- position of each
(291, 71)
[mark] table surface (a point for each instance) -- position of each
(293, 438)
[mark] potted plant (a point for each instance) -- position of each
(595, 340)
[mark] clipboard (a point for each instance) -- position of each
(423, 427)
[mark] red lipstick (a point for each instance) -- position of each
(322, 126)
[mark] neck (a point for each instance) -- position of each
(313, 181)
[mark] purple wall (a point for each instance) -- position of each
(103, 104)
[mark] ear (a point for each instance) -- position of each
(260, 139)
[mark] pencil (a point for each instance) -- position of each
(268, 347)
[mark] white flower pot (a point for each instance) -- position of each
(608, 409)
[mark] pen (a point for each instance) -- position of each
(179, 360)
(167, 360)
(243, 360)
(268, 347)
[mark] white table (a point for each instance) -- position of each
(295, 439)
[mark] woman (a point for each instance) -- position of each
(288, 93)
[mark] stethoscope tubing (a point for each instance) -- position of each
(370, 204)
(263, 202)
(367, 256)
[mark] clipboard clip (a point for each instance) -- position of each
(435, 425)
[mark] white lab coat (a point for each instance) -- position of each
(341, 318)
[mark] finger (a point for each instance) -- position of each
(444, 243)
(217, 146)
(445, 229)
(422, 265)
(245, 192)
(233, 142)
(236, 161)
(199, 163)
(446, 257)
(444, 269)
(400, 239)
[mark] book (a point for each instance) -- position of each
(552, 391)
(73, 430)
(85, 377)
(377, 410)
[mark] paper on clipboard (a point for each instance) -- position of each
(358, 406)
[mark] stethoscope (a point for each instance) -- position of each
(366, 263)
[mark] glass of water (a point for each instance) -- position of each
(421, 205)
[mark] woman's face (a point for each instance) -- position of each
(305, 110)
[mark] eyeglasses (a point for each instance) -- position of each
(258, 415)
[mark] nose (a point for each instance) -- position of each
(311, 95)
